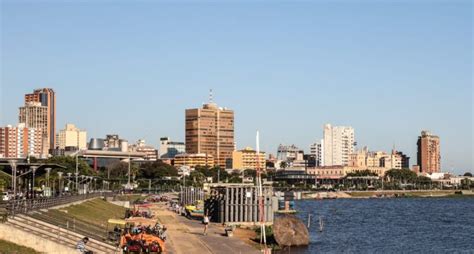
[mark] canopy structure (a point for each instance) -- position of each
(117, 222)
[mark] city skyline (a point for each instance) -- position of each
(287, 88)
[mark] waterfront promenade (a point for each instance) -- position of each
(185, 236)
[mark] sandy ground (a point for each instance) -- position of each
(186, 236)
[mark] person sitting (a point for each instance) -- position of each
(81, 245)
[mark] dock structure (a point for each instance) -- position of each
(190, 195)
(238, 204)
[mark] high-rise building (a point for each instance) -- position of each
(337, 145)
(316, 150)
(429, 156)
(20, 142)
(248, 159)
(34, 115)
(169, 149)
(210, 130)
(47, 98)
(71, 136)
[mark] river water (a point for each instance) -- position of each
(398, 225)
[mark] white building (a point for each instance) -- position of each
(316, 150)
(169, 149)
(71, 136)
(338, 144)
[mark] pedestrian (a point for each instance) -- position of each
(81, 245)
(205, 221)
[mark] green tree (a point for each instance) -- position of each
(156, 169)
(283, 164)
(70, 163)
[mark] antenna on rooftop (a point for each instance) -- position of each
(210, 95)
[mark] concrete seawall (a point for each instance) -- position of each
(14, 235)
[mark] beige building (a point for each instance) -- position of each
(193, 160)
(429, 155)
(21, 142)
(365, 159)
(142, 147)
(34, 115)
(210, 130)
(248, 159)
(71, 136)
(47, 98)
(337, 172)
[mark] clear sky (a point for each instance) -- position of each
(387, 68)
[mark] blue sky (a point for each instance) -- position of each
(387, 68)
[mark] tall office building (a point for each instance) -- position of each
(338, 144)
(72, 137)
(34, 115)
(210, 130)
(47, 98)
(20, 142)
(429, 158)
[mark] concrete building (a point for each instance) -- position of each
(366, 159)
(169, 149)
(210, 130)
(113, 142)
(21, 142)
(316, 150)
(193, 160)
(428, 156)
(142, 147)
(47, 98)
(338, 144)
(338, 172)
(248, 159)
(35, 116)
(71, 136)
(289, 153)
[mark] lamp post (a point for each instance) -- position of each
(13, 165)
(60, 176)
(33, 169)
(77, 171)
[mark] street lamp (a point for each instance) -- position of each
(60, 176)
(33, 169)
(13, 166)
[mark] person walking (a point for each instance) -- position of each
(205, 221)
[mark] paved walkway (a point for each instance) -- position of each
(186, 236)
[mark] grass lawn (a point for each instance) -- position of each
(11, 248)
(96, 212)
(130, 197)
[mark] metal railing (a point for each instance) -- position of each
(20, 206)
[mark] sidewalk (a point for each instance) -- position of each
(186, 236)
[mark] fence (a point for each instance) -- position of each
(189, 195)
(26, 205)
(238, 204)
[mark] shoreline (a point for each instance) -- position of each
(387, 194)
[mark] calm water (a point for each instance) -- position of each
(411, 225)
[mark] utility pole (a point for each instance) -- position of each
(129, 167)
(77, 171)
